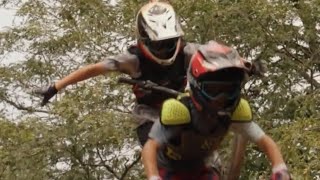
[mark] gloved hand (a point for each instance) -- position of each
(47, 93)
(155, 178)
(259, 68)
(280, 173)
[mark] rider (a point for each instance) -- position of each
(160, 55)
(193, 126)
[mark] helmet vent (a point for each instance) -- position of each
(157, 10)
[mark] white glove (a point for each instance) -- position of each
(155, 178)
(280, 172)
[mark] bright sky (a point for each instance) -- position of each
(7, 17)
(7, 20)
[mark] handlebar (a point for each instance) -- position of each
(149, 85)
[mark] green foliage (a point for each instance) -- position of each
(92, 118)
(84, 146)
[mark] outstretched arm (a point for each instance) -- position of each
(125, 63)
(82, 74)
(149, 159)
(78, 75)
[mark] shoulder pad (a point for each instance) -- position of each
(242, 113)
(173, 112)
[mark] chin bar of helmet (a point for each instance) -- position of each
(149, 85)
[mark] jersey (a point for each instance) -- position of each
(134, 64)
(187, 145)
(172, 76)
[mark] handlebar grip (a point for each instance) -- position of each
(128, 81)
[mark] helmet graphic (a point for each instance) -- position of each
(216, 75)
(159, 32)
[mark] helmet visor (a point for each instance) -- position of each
(162, 49)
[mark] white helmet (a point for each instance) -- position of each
(159, 32)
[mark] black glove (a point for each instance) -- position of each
(259, 68)
(47, 93)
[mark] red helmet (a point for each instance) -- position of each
(216, 75)
(159, 32)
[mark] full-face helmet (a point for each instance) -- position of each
(159, 32)
(216, 75)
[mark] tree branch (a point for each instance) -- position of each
(127, 168)
(21, 107)
(105, 165)
(310, 80)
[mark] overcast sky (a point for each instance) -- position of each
(7, 17)
(7, 20)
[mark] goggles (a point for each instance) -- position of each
(163, 48)
(220, 91)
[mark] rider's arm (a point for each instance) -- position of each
(271, 149)
(279, 168)
(126, 63)
(149, 158)
(158, 135)
(81, 74)
(255, 134)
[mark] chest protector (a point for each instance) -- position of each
(194, 142)
(172, 76)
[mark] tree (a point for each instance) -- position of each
(88, 125)
(73, 138)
